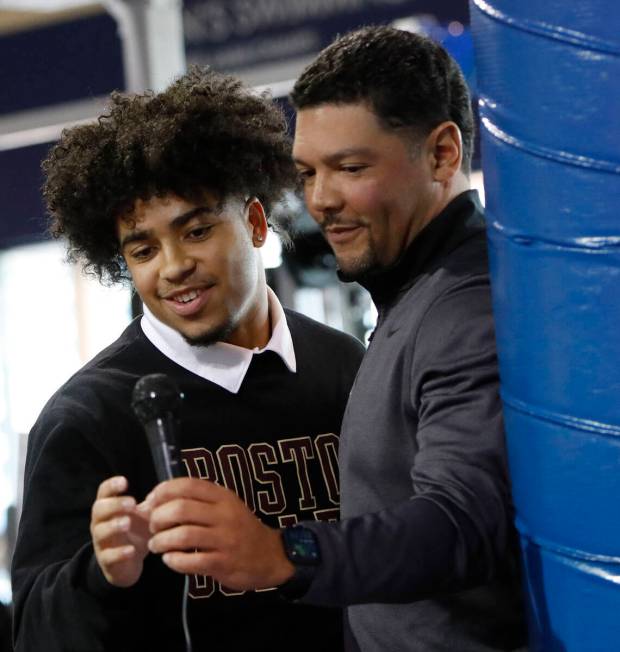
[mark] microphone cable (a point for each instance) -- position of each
(186, 632)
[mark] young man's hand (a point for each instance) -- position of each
(203, 528)
(120, 532)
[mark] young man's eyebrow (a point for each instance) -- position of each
(184, 218)
(134, 236)
(138, 235)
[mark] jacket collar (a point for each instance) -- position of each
(458, 221)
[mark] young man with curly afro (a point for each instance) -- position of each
(172, 191)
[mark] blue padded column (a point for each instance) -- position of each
(549, 82)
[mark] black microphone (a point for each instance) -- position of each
(156, 401)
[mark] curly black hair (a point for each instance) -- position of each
(206, 131)
(408, 80)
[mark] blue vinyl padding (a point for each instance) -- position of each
(549, 86)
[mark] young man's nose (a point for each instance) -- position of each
(177, 264)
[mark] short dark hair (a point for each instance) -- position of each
(206, 131)
(408, 80)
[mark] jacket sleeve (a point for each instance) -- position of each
(453, 531)
(61, 599)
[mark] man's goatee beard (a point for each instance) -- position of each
(366, 266)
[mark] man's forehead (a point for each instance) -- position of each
(337, 119)
(338, 131)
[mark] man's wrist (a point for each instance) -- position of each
(301, 547)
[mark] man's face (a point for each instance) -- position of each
(370, 190)
(194, 265)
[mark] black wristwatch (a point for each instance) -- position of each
(302, 549)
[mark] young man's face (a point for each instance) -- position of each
(195, 266)
(369, 189)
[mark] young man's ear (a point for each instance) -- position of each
(257, 221)
(445, 146)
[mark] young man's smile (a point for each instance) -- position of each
(190, 301)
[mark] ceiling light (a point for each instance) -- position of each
(44, 5)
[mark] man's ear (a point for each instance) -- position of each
(257, 221)
(445, 146)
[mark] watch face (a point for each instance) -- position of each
(301, 545)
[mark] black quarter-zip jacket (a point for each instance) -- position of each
(426, 553)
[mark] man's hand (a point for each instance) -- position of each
(203, 528)
(120, 532)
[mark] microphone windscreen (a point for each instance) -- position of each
(154, 396)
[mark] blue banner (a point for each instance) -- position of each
(232, 35)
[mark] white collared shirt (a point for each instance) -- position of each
(222, 363)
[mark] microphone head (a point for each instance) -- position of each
(154, 396)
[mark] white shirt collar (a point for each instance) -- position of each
(222, 363)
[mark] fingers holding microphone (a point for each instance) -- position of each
(120, 532)
(203, 528)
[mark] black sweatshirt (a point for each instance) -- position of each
(274, 442)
